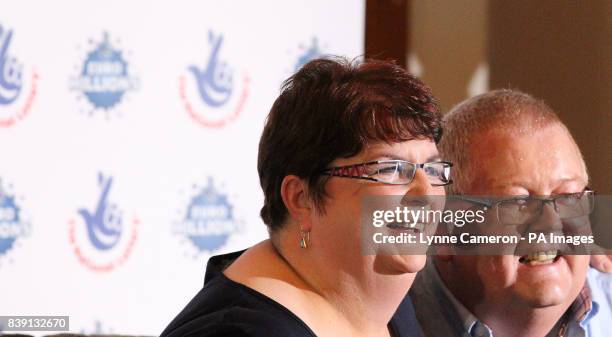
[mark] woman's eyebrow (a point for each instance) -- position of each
(392, 156)
(386, 155)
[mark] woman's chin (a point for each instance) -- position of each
(399, 264)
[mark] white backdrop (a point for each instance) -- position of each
(129, 134)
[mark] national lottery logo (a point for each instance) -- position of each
(18, 84)
(13, 222)
(101, 236)
(208, 219)
(214, 91)
(104, 78)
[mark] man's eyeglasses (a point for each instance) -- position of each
(394, 172)
(524, 210)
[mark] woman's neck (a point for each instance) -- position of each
(331, 300)
(363, 299)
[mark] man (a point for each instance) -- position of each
(507, 143)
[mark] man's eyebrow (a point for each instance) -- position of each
(576, 178)
(519, 183)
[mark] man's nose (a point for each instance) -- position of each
(548, 221)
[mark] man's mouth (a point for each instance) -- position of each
(540, 258)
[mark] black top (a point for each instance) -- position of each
(229, 309)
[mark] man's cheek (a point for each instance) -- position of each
(497, 271)
(578, 264)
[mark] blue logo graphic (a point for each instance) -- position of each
(12, 225)
(215, 79)
(10, 70)
(313, 51)
(209, 219)
(104, 224)
(105, 78)
(209, 93)
(101, 237)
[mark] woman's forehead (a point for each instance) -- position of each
(401, 150)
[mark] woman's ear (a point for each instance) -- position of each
(294, 192)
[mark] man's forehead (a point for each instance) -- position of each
(547, 157)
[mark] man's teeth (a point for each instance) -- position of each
(415, 227)
(539, 257)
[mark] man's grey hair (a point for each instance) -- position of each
(503, 110)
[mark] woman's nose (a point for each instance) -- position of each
(420, 184)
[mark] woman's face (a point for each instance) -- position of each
(337, 232)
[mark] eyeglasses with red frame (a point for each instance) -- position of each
(394, 172)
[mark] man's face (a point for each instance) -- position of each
(542, 162)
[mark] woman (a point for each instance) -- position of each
(310, 278)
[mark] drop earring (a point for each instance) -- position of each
(304, 238)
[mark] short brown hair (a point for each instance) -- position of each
(501, 111)
(330, 109)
